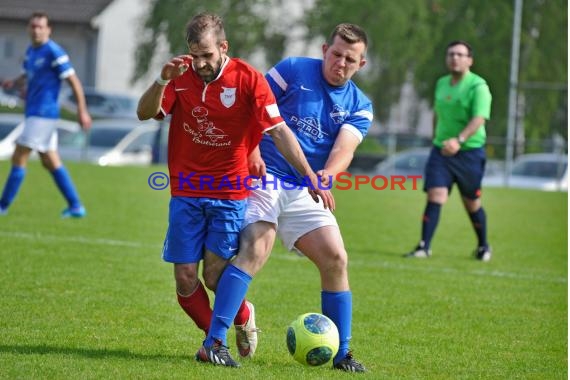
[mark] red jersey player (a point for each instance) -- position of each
(220, 107)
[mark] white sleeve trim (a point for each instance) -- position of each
(365, 114)
(273, 127)
(272, 110)
(60, 60)
(354, 131)
(67, 73)
(274, 74)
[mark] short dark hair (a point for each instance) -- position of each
(41, 14)
(203, 23)
(461, 42)
(351, 33)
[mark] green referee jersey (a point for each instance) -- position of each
(456, 105)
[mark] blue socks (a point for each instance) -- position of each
(231, 291)
(479, 221)
(338, 307)
(60, 176)
(13, 183)
(65, 185)
(429, 222)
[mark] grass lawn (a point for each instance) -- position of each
(92, 299)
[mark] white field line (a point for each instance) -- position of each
(76, 239)
(280, 256)
(430, 269)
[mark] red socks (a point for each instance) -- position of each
(197, 306)
(242, 315)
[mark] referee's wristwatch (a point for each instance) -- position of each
(461, 139)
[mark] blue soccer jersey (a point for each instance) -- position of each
(45, 66)
(315, 111)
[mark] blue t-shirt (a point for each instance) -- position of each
(45, 66)
(315, 111)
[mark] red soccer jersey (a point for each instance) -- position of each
(214, 127)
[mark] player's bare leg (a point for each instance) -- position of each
(324, 247)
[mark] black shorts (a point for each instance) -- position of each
(466, 169)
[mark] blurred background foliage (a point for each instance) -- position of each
(408, 40)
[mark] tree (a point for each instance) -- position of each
(409, 40)
(400, 40)
(544, 68)
(247, 29)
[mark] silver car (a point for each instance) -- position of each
(12, 125)
(111, 142)
(541, 171)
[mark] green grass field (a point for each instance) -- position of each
(92, 299)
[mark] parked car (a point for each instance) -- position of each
(111, 142)
(136, 148)
(108, 142)
(542, 171)
(12, 125)
(413, 162)
(102, 104)
(406, 162)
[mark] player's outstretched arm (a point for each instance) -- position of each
(287, 144)
(341, 154)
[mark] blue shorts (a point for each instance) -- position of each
(195, 224)
(466, 169)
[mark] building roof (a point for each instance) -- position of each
(73, 11)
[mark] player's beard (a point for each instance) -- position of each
(212, 72)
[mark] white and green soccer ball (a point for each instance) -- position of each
(312, 339)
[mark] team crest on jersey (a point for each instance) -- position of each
(338, 114)
(228, 96)
(39, 62)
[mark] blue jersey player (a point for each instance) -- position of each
(45, 65)
(330, 116)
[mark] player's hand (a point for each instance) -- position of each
(84, 120)
(325, 195)
(255, 164)
(450, 147)
(176, 67)
(317, 191)
(8, 84)
(325, 179)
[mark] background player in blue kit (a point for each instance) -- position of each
(44, 66)
(329, 116)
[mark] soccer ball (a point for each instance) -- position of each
(312, 339)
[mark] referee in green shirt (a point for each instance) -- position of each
(462, 105)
